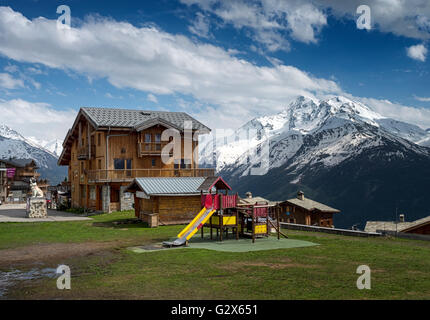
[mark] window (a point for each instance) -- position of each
(99, 164)
(148, 142)
(153, 162)
(121, 164)
(129, 162)
(99, 139)
(181, 164)
(118, 164)
(158, 142)
(127, 195)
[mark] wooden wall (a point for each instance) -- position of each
(424, 229)
(172, 209)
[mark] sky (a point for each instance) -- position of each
(223, 62)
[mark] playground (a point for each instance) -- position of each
(222, 213)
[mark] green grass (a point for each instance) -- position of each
(400, 268)
(101, 228)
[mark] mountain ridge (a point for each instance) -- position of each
(311, 139)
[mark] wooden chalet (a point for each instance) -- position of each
(16, 187)
(305, 211)
(106, 149)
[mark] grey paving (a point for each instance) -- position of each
(16, 213)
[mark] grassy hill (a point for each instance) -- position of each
(103, 268)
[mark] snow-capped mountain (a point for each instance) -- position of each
(311, 139)
(335, 128)
(53, 146)
(14, 145)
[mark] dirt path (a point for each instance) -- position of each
(49, 252)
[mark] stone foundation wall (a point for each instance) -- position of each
(106, 198)
(125, 203)
(36, 208)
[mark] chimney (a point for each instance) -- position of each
(300, 195)
(401, 218)
(248, 195)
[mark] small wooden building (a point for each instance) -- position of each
(305, 211)
(170, 200)
(420, 226)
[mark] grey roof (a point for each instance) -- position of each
(169, 186)
(254, 200)
(373, 226)
(108, 117)
(310, 205)
(17, 162)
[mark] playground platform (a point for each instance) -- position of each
(230, 245)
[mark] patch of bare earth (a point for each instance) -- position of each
(39, 253)
(281, 264)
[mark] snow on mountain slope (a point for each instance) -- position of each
(310, 132)
(53, 146)
(14, 145)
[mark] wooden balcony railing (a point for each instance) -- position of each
(151, 148)
(129, 175)
(84, 152)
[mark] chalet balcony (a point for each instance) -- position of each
(84, 152)
(29, 174)
(151, 148)
(128, 175)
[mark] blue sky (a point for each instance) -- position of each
(224, 62)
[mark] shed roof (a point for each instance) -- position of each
(167, 186)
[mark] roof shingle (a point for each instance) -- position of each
(125, 118)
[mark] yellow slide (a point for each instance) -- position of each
(193, 226)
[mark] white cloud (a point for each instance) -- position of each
(303, 20)
(200, 26)
(152, 98)
(417, 52)
(422, 99)
(403, 18)
(36, 119)
(9, 82)
(11, 68)
(418, 116)
(151, 60)
(271, 21)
